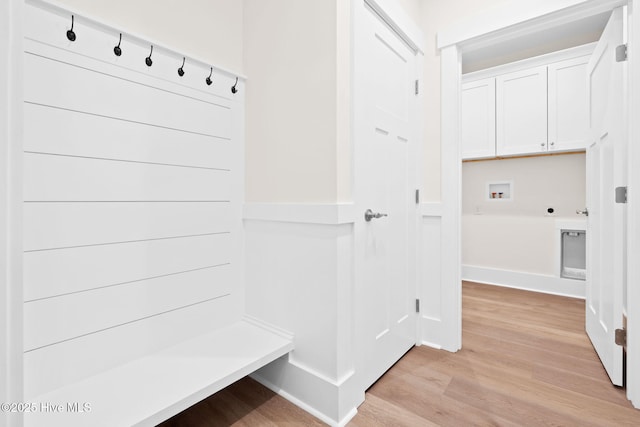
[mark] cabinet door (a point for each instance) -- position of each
(521, 116)
(478, 119)
(568, 105)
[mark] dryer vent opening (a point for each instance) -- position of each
(573, 253)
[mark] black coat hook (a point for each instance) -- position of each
(148, 60)
(117, 49)
(233, 88)
(181, 69)
(70, 34)
(208, 80)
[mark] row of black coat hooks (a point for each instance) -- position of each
(117, 50)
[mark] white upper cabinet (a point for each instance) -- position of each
(535, 106)
(568, 105)
(521, 112)
(478, 130)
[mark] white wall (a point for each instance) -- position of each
(518, 235)
(413, 9)
(211, 30)
(556, 181)
(297, 56)
(291, 61)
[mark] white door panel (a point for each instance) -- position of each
(521, 112)
(605, 234)
(385, 121)
(568, 105)
(478, 119)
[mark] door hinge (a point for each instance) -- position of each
(621, 194)
(417, 87)
(417, 197)
(621, 53)
(621, 337)
(417, 305)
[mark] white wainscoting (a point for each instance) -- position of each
(432, 329)
(299, 277)
(119, 203)
(133, 237)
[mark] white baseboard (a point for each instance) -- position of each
(432, 345)
(307, 390)
(307, 408)
(526, 281)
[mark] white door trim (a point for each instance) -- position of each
(516, 24)
(451, 287)
(633, 208)
(11, 207)
(395, 17)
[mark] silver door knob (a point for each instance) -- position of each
(369, 215)
(585, 212)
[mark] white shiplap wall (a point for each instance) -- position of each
(133, 185)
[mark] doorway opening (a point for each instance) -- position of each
(524, 99)
(512, 25)
(524, 121)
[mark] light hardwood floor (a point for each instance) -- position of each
(526, 361)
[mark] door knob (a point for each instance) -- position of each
(369, 215)
(584, 212)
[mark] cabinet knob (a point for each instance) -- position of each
(542, 144)
(553, 143)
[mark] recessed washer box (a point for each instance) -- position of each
(502, 190)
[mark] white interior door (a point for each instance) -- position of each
(384, 160)
(605, 171)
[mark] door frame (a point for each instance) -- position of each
(483, 33)
(11, 17)
(633, 208)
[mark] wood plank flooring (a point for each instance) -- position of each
(526, 361)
